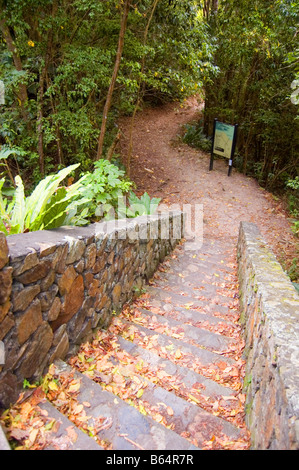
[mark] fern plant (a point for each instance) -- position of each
(47, 207)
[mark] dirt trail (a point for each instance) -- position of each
(167, 168)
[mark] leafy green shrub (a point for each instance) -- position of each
(47, 207)
(103, 187)
(195, 137)
(293, 200)
(293, 184)
(95, 196)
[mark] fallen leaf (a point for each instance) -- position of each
(72, 433)
(78, 409)
(53, 386)
(74, 387)
(142, 410)
(178, 354)
(140, 393)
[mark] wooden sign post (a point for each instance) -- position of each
(224, 142)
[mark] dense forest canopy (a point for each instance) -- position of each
(70, 68)
(57, 61)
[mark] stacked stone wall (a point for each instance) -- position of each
(58, 286)
(270, 316)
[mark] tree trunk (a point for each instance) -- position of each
(39, 127)
(139, 93)
(120, 47)
(22, 92)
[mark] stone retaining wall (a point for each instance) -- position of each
(270, 316)
(57, 286)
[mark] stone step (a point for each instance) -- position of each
(201, 266)
(183, 353)
(195, 289)
(180, 379)
(211, 284)
(4, 444)
(218, 254)
(185, 417)
(189, 317)
(156, 296)
(67, 436)
(180, 330)
(165, 375)
(120, 425)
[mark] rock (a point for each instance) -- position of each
(4, 252)
(73, 301)
(74, 298)
(21, 300)
(76, 250)
(90, 256)
(66, 281)
(47, 282)
(36, 273)
(116, 293)
(30, 261)
(37, 350)
(6, 325)
(55, 309)
(60, 267)
(60, 344)
(5, 284)
(75, 326)
(9, 391)
(93, 288)
(29, 321)
(99, 264)
(80, 266)
(4, 309)
(101, 302)
(47, 297)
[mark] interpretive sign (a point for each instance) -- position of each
(224, 142)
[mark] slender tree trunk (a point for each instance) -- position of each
(50, 60)
(57, 130)
(22, 91)
(120, 47)
(140, 92)
(39, 127)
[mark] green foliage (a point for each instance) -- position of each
(292, 186)
(293, 183)
(44, 209)
(257, 62)
(103, 187)
(66, 53)
(95, 196)
(145, 205)
(195, 137)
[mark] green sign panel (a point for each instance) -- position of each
(224, 142)
(223, 139)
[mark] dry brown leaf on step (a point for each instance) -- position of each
(72, 433)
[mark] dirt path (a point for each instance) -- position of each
(167, 168)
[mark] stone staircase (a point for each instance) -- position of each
(166, 375)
